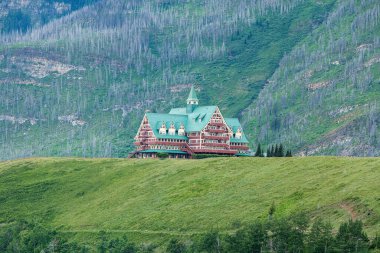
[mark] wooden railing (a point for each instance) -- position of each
(217, 137)
(216, 130)
(216, 151)
(211, 144)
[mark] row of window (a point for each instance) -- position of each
(164, 147)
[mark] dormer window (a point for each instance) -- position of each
(163, 129)
(181, 130)
(172, 129)
(238, 134)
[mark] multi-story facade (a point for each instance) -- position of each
(190, 130)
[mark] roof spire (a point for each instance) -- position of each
(192, 101)
(192, 95)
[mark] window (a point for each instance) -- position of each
(163, 129)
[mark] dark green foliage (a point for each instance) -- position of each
(278, 151)
(351, 237)
(272, 151)
(16, 21)
(288, 235)
(281, 151)
(288, 153)
(162, 155)
(175, 246)
(375, 244)
(210, 242)
(272, 210)
(269, 153)
(115, 245)
(24, 237)
(204, 156)
(292, 234)
(252, 238)
(259, 151)
(320, 238)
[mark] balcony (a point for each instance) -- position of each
(215, 151)
(217, 137)
(216, 123)
(166, 143)
(210, 144)
(216, 130)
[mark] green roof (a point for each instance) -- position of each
(156, 120)
(193, 122)
(192, 94)
(197, 119)
(242, 154)
(234, 124)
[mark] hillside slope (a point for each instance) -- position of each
(80, 84)
(324, 97)
(152, 198)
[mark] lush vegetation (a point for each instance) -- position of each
(155, 200)
(322, 99)
(80, 88)
(294, 234)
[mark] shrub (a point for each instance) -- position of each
(162, 155)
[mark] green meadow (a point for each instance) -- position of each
(151, 200)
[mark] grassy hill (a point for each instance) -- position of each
(154, 199)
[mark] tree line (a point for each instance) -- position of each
(276, 150)
(294, 234)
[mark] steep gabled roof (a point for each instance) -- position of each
(234, 124)
(156, 120)
(197, 119)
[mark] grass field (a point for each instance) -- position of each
(155, 199)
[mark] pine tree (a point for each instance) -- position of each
(276, 153)
(269, 152)
(281, 151)
(258, 151)
(272, 151)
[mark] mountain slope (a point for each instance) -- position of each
(80, 84)
(154, 198)
(323, 98)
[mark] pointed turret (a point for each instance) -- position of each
(192, 101)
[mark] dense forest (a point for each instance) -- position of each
(77, 76)
(292, 235)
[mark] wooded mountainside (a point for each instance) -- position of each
(77, 76)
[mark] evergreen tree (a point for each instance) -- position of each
(258, 151)
(281, 151)
(276, 149)
(288, 153)
(210, 242)
(320, 238)
(272, 151)
(175, 246)
(351, 237)
(269, 154)
(249, 239)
